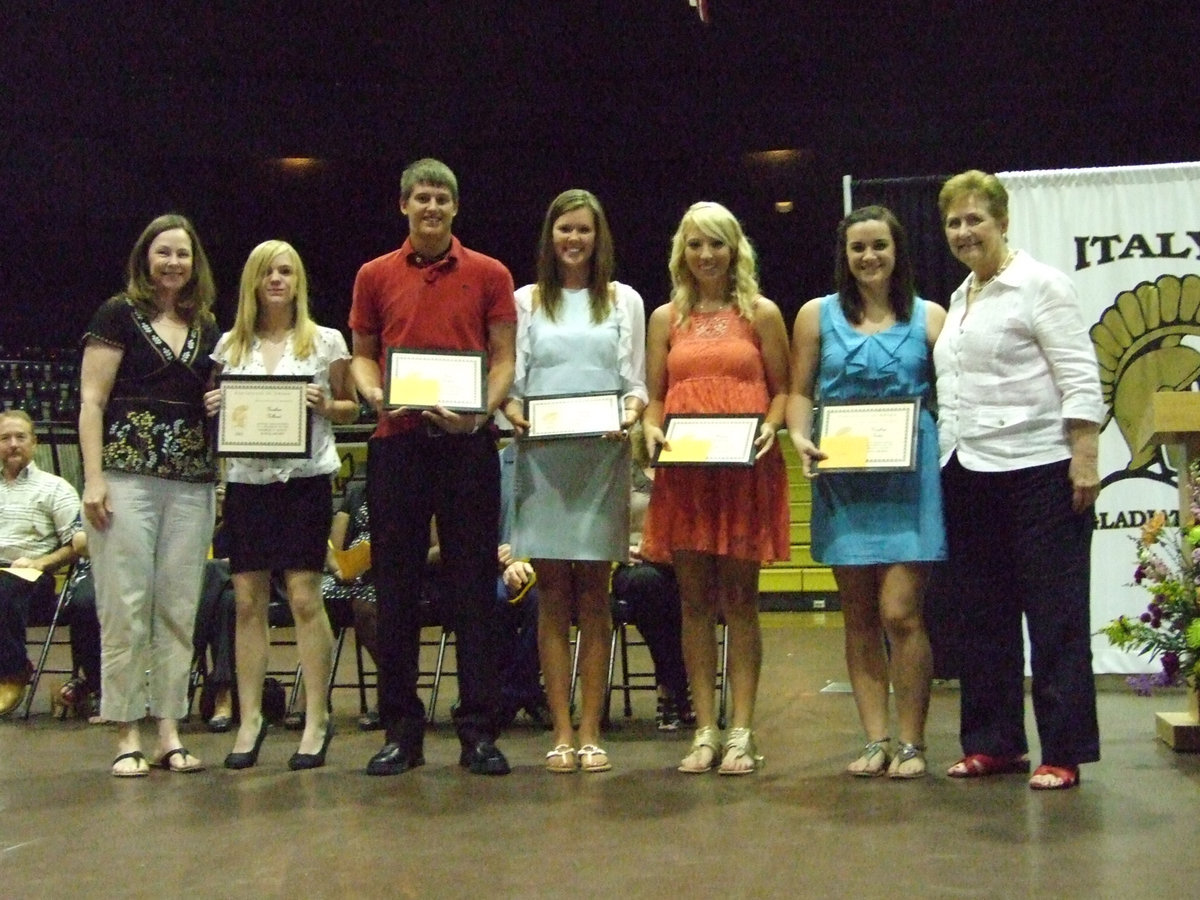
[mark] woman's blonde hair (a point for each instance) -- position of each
(984, 184)
(241, 336)
(715, 221)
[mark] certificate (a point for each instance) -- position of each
(423, 379)
(264, 416)
(702, 440)
(869, 436)
(573, 415)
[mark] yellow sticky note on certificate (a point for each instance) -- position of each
(413, 390)
(685, 449)
(845, 451)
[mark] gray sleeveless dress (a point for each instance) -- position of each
(572, 494)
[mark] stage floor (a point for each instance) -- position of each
(798, 828)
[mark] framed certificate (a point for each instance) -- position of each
(573, 415)
(702, 440)
(264, 416)
(869, 436)
(423, 379)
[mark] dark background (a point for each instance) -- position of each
(111, 113)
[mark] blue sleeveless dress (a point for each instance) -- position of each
(868, 518)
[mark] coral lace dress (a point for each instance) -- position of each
(715, 365)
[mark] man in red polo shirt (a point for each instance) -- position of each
(434, 294)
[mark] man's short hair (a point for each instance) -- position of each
(428, 171)
(19, 414)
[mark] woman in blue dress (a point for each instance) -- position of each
(578, 332)
(877, 530)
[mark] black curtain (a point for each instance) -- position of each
(914, 201)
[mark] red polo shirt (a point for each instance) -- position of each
(446, 306)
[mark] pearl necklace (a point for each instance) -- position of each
(977, 286)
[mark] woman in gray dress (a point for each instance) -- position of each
(578, 332)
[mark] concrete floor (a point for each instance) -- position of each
(798, 828)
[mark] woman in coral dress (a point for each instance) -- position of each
(718, 347)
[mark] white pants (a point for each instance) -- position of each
(148, 567)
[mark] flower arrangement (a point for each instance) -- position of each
(1169, 630)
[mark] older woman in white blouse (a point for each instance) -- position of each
(1019, 411)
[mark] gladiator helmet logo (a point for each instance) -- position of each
(1139, 343)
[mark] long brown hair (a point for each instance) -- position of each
(900, 286)
(549, 281)
(195, 300)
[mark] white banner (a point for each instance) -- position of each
(1129, 237)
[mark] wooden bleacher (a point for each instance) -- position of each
(800, 583)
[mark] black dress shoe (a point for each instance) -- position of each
(484, 758)
(249, 758)
(301, 761)
(395, 759)
(220, 724)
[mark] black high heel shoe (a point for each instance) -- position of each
(250, 757)
(300, 761)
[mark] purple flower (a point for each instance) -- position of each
(1145, 617)
(1170, 664)
(1144, 685)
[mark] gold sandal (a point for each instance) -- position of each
(875, 757)
(706, 739)
(739, 746)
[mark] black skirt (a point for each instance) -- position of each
(279, 526)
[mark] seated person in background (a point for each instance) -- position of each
(647, 595)
(520, 687)
(350, 528)
(520, 672)
(517, 601)
(216, 617)
(80, 695)
(39, 513)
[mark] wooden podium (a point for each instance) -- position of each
(1173, 420)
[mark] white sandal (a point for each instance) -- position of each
(593, 759)
(562, 759)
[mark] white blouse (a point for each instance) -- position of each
(630, 311)
(1013, 369)
(328, 347)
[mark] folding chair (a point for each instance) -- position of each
(42, 668)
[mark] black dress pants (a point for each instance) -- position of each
(411, 478)
(21, 603)
(1016, 547)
